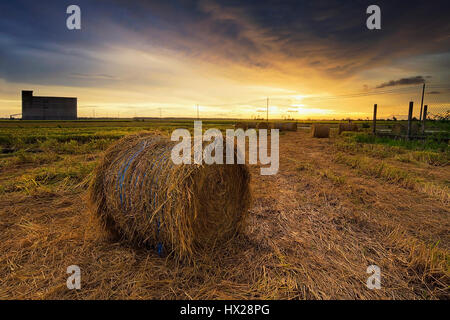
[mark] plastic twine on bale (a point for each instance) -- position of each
(123, 170)
(155, 168)
(162, 158)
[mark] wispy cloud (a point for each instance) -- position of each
(94, 76)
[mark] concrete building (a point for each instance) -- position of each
(48, 108)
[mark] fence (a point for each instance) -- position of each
(415, 128)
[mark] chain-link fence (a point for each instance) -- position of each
(438, 107)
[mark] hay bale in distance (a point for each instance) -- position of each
(290, 126)
(285, 126)
(141, 196)
(263, 125)
(278, 125)
(240, 125)
(320, 131)
(347, 127)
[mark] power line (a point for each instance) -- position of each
(402, 90)
(365, 94)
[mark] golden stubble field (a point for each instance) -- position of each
(332, 210)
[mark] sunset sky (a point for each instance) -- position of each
(313, 59)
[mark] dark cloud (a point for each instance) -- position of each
(329, 36)
(403, 81)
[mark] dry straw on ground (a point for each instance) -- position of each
(347, 127)
(320, 131)
(140, 195)
(313, 229)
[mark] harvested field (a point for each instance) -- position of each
(313, 230)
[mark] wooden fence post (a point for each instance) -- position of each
(424, 117)
(374, 119)
(410, 119)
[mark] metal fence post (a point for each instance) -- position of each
(410, 119)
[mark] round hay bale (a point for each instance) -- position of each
(285, 126)
(347, 127)
(320, 131)
(240, 125)
(141, 196)
(290, 126)
(278, 125)
(263, 125)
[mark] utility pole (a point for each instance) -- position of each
(421, 104)
(160, 114)
(267, 109)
